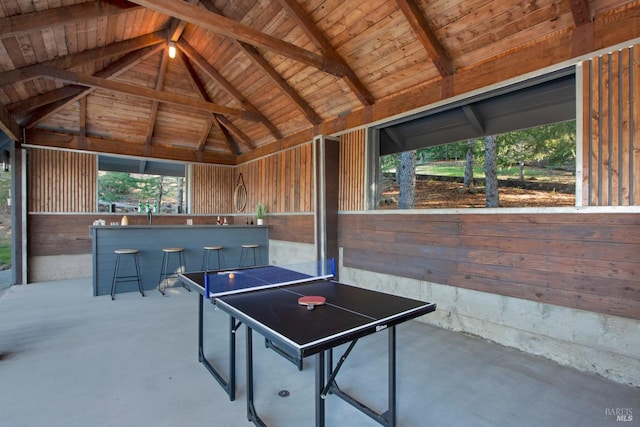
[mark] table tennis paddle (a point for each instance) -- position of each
(311, 301)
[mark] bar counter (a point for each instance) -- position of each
(151, 239)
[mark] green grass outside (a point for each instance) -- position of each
(457, 170)
(5, 253)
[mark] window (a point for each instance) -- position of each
(534, 168)
(130, 185)
(531, 125)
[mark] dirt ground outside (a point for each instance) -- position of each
(441, 193)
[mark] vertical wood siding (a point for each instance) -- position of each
(61, 181)
(578, 260)
(352, 161)
(283, 181)
(611, 138)
(213, 188)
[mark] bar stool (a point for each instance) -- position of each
(116, 270)
(164, 274)
(245, 250)
(207, 254)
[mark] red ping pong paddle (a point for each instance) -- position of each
(311, 301)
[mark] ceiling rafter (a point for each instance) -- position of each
(211, 120)
(197, 59)
(8, 125)
(162, 72)
(290, 92)
(141, 92)
(581, 11)
(219, 24)
(317, 37)
(276, 78)
(113, 70)
(70, 61)
(22, 24)
(420, 26)
(224, 124)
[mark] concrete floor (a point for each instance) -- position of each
(70, 359)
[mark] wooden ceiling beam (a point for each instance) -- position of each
(25, 23)
(74, 92)
(282, 84)
(67, 141)
(219, 24)
(86, 57)
(162, 72)
(8, 125)
(276, 78)
(200, 61)
(141, 92)
(581, 12)
(429, 40)
(317, 37)
(197, 84)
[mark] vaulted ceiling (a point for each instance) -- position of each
(256, 76)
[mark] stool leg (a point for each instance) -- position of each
(163, 272)
(205, 261)
(135, 258)
(220, 265)
(183, 268)
(115, 276)
(254, 256)
(241, 255)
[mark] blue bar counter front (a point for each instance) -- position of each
(151, 239)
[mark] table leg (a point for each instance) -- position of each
(320, 367)
(252, 415)
(391, 413)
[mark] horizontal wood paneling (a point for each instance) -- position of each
(60, 234)
(213, 188)
(584, 261)
(61, 181)
(291, 228)
(352, 158)
(283, 181)
(611, 139)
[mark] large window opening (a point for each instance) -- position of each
(514, 146)
(139, 186)
(533, 168)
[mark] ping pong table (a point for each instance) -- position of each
(265, 300)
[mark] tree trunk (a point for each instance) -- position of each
(407, 180)
(180, 194)
(521, 165)
(491, 172)
(468, 167)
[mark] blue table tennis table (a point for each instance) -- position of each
(265, 299)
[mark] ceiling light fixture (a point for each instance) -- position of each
(172, 50)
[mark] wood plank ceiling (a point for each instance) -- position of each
(255, 76)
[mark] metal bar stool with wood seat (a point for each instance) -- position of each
(245, 250)
(164, 274)
(129, 278)
(207, 254)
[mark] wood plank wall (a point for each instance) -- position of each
(283, 181)
(54, 234)
(611, 138)
(352, 174)
(61, 181)
(578, 260)
(212, 190)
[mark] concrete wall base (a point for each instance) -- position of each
(59, 267)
